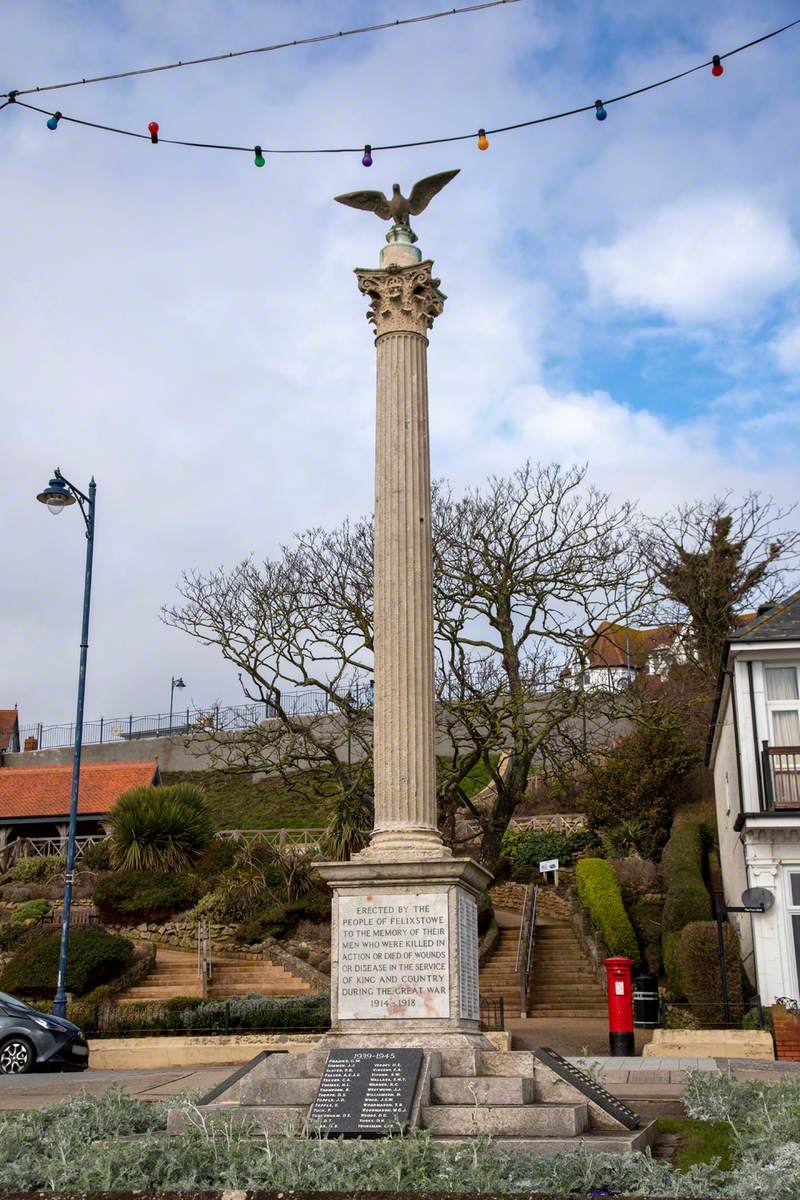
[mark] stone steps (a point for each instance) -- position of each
(175, 975)
(511, 1120)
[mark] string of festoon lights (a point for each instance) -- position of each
(366, 150)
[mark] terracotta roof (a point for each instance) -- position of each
(45, 791)
(8, 723)
(607, 647)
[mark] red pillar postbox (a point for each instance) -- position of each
(620, 1006)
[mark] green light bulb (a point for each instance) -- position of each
(259, 159)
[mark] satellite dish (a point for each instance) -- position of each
(758, 897)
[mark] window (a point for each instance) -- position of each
(783, 704)
(783, 707)
(793, 908)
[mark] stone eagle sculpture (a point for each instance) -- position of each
(399, 208)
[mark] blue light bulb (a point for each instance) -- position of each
(599, 111)
(53, 122)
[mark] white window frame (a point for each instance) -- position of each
(792, 910)
(780, 705)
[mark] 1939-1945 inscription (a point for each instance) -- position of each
(366, 1091)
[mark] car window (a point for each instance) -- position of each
(11, 1003)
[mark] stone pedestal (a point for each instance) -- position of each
(404, 962)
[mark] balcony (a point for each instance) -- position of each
(780, 767)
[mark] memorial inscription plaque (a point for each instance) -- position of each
(469, 998)
(393, 956)
(366, 1091)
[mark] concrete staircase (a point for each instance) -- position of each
(175, 974)
(498, 977)
(512, 1096)
(563, 982)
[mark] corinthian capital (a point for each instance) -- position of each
(402, 299)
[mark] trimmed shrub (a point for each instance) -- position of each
(30, 912)
(600, 895)
(529, 847)
(37, 867)
(645, 914)
(248, 1014)
(95, 957)
(687, 899)
(134, 896)
(160, 828)
(700, 974)
(280, 919)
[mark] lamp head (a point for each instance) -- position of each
(178, 683)
(56, 496)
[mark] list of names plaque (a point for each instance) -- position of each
(393, 956)
(469, 999)
(366, 1091)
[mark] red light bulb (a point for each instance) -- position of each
(717, 68)
(153, 127)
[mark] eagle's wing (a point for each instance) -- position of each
(423, 192)
(369, 201)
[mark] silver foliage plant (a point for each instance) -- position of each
(53, 1149)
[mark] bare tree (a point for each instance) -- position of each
(524, 569)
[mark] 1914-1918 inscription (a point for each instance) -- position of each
(366, 1091)
(394, 957)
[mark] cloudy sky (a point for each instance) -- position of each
(188, 329)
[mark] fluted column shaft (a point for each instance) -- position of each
(405, 301)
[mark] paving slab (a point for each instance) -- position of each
(39, 1090)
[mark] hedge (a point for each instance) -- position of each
(95, 956)
(529, 847)
(128, 897)
(279, 919)
(600, 895)
(30, 912)
(687, 899)
(698, 967)
(646, 918)
(242, 1014)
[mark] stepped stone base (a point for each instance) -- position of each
(465, 1090)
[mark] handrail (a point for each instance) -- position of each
(204, 955)
(525, 944)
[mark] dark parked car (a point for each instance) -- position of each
(31, 1040)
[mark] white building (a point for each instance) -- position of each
(615, 656)
(754, 751)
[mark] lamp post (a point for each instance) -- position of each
(176, 683)
(58, 495)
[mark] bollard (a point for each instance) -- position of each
(620, 1006)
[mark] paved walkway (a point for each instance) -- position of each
(39, 1090)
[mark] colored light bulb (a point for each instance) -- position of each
(367, 159)
(717, 68)
(53, 122)
(483, 141)
(599, 111)
(153, 127)
(259, 159)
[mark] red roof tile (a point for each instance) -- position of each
(8, 723)
(607, 647)
(45, 791)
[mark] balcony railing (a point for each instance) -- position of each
(780, 766)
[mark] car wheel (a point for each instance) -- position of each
(17, 1057)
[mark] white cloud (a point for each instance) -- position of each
(786, 348)
(699, 259)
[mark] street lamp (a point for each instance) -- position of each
(58, 495)
(176, 683)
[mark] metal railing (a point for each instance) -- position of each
(44, 847)
(304, 838)
(184, 723)
(780, 766)
(204, 965)
(493, 1014)
(525, 944)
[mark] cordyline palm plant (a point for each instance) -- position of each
(160, 828)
